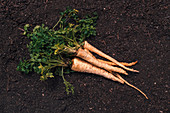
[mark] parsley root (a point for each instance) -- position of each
(84, 55)
(95, 50)
(82, 66)
(131, 85)
(123, 63)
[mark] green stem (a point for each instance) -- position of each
(62, 73)
(57, 22)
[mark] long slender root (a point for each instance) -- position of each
(130, 85)
(95, 50)
(123, 63)
(82, 66)
(111, 63)
(87, 57)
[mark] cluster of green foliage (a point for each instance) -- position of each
(51, 50)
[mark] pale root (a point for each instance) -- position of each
(83, 66)
(87, 57)
(100, 53)
(123, 63)
(130, 85)
(111, 63)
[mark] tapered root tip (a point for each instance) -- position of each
(136, 89)
(146, 97)
(126, 73)
(131, 85)
(134, 71)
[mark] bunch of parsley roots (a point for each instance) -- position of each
(63, 49)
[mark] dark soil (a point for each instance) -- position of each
(128, 30)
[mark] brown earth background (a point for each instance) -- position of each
(127, 30)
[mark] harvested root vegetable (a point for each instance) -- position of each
(112, 63)
(82, 66)
(123, 63)
(84, 55)
(131, 85)
(53, 52)
(95, 50)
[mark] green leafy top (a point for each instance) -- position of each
(51, 50)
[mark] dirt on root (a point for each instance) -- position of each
(127, 30)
